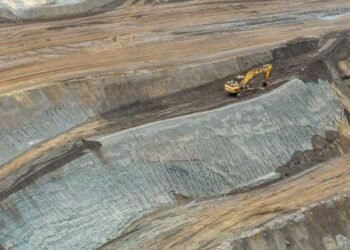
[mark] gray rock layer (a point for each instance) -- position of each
(30, 117)
(91, 199)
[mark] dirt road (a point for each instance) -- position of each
(37, 161)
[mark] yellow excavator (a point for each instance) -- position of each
(240, 86)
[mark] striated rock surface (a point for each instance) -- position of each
(91, 199)
(298, 213)
(34, 115)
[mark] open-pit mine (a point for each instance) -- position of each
(116, 131)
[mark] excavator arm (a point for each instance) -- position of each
(257, 71)
(241, 87)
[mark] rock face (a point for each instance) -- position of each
(301, 230)
(35, 115)
(91, 199)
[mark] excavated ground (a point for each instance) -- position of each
(107, 181)
(222, 223)
(212, 224)
(288, 61)
(88, 147)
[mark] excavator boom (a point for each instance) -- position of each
(257, 71)
(240, 87)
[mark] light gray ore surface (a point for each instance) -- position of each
(33, 117)
(92, 199)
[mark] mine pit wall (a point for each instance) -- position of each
(90, 200)
(35, 115)
(56, 10)
(5, 13)
(320, 226)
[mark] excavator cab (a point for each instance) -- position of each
(232, 87)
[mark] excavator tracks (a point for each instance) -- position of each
(246, 92)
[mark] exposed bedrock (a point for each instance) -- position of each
(35, 115)
(91, 199)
